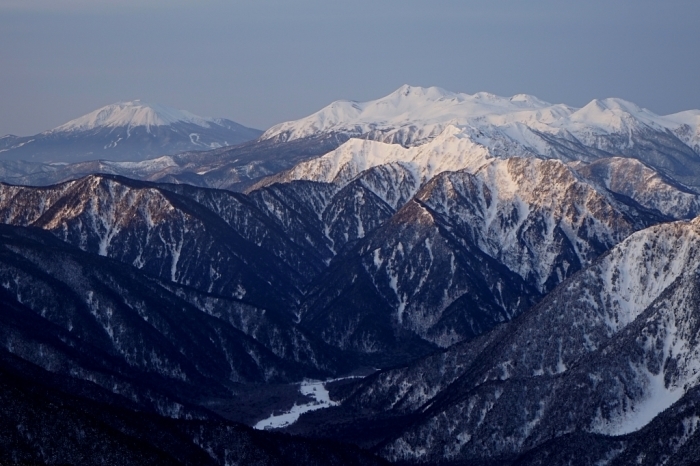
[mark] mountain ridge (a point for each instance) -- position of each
(519, 274)
(416, 118)
(430, 110)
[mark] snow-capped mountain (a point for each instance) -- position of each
(520, 267)
(440, 131)
(496, 126)
(133, 114)
(126, 131)
(409, 115)
(412, 115)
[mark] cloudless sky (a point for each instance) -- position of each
(261, 62)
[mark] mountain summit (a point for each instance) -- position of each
(133, 113)
(521, 125)
(410, 115)
(126, 131)
(431, 129)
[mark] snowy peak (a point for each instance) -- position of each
(414, 115)
(613, 114)
(409, 115)
(415, 94)
(615, 105)
(521, 125)
(127, 132)
(528, 101)
(132, 114)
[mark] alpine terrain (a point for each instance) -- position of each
(427, 278)
(126, 131)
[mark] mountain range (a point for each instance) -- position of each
(519, 280)
(482, 125)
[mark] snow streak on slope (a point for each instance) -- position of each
(534, 216)
(152, 229)
(606, 352)
(633, 179)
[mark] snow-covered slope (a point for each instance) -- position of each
(496, 126)
(411, 115)
(449, 151)
(133, 113)
(468, 251)
(126, 131)
(632, 179)
(686, 125)
(606, 352)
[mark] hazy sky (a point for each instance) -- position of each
(261, 62)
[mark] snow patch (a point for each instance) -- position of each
(658, 398)
(313, 388)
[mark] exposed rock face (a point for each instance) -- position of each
(378, 262)
(606, 352)
(466, 252)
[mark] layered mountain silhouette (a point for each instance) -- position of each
(519, 278)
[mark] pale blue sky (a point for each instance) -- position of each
(261, 62)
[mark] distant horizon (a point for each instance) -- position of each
(263, 63)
